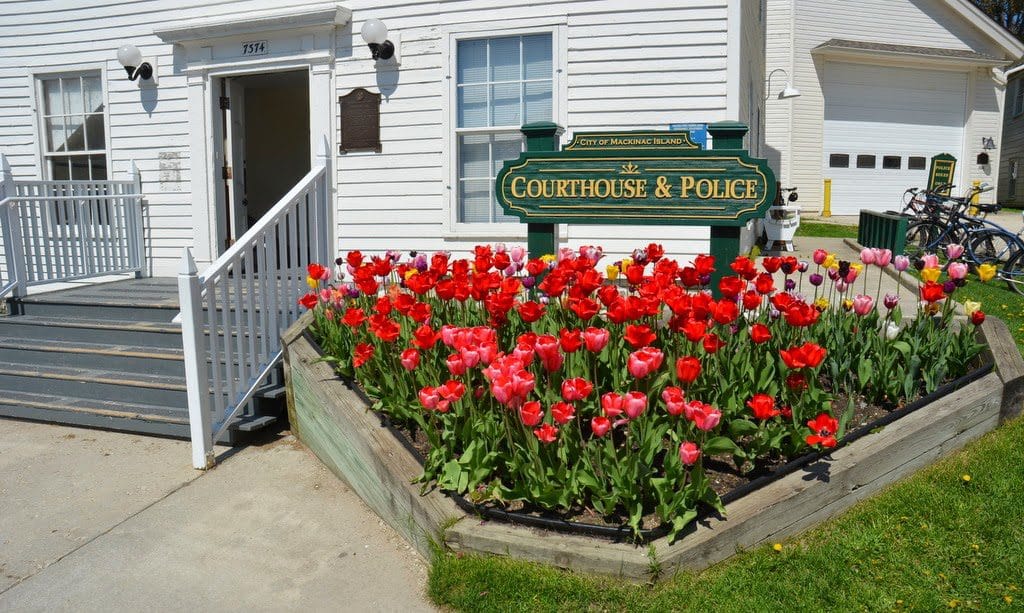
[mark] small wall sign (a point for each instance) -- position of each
(360, 121)
(255, 47)
(942, 171)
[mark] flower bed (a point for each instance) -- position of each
(544, 381)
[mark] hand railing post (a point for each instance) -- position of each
(324, 230)
(194, 343)
(14, 250)
(134, 217)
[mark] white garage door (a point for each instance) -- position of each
(882, 126)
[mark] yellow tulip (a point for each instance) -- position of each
(971, 307)
(830, 261)
(857, 266)
(612, 271)
(409, 273)
(986, 272)
(626, 263)
(931, 274)
(847, 304)
(821, 304)
(312, 283)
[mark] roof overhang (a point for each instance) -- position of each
(325, 15)
(862, 51)
(1013, 47)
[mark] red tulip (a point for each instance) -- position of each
(576, 388)
(452, 390)
(823, 431)
(687, 369)
(800, 314)
(763, 406)
(600, 425)
(978, 317)
(354, 318)
(751, 300)
(318, 272)
(771, 264)
(759, 333)
(363, 352)
(455, 365)
(764, 284)
(694, 330)
(689, 453)
(705, 264)
(639, 335)
(585, 308)
(562, 412)
(531, 413)
(712, 343)
(730, 287)
(530, 311)
(725, 311)
(807, 355)
(570, 340)
(546, 433)
(309, 301)
(932, 292)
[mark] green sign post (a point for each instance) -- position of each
(941, 171)
(642, 177)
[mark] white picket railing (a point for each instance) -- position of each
(56, 231)
(234, 313)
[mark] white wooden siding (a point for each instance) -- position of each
(797, 134)
(625, 66)
(1011, 147)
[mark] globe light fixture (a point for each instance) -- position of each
(375, 34)
(131, 58)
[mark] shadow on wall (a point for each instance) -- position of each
(149, 96)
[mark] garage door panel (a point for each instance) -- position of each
(887, 111)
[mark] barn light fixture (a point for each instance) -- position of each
(137, 67)
(375, 33)
(787, 92)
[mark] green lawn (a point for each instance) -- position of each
(829, 230)
(936, 540)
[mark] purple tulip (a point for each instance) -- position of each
(816, 279)
(803, 266)
(949, 287)
(529, 281)
(901, 263)
(890, 301)
(790, 285)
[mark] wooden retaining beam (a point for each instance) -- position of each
(336, 424)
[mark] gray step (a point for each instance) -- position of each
(113, 357)
(51, 305)
(120, 416)
(95, 384)
(138, 333)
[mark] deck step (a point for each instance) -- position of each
(254, 423)
(46, 328)
(76, 354)
(113, 415)
(96, 384)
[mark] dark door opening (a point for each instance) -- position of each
(266, 142)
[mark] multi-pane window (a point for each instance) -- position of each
(74, 139)
(502, 83)
(1018, 98)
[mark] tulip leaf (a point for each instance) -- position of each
(864, 371)
(719, 445)
(742, 427)
(901, 346)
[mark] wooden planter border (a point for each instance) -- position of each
(335, 423)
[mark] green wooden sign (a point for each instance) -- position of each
(657, 183)
(941, 172)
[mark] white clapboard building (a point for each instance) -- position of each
(223, 160)
(885, 85)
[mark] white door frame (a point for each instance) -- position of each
(206, 63)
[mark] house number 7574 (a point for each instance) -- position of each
(256, 47)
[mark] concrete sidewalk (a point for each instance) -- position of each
(93, 520)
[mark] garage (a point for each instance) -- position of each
(882, 126)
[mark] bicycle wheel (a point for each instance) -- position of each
(992, 247)
(922, 237)
(1012, 271)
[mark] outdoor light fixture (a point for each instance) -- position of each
(131, 58)
(375, 33)
(787, 92)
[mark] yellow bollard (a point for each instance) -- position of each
(974, 199)
(826, 209)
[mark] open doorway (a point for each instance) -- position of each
(266, 145)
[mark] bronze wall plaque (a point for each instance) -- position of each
(360, 121)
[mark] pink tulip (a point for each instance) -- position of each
(689, 453)
(957, 270)
(819, 256)
(901, 263)
(596, 339)
(882, 257)
(674, 400)
(867, 255)
(644, 361)
(706, 417)
(862, 304)
(611, 404)
(600, 425)
(930, 260)
(634, 404)
(517, 253)
(429, 398)
(455, 365)
(841, 286)
(410, 359)
(954, 250)
(576, 388)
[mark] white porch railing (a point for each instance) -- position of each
(234, 313)
(56, 231)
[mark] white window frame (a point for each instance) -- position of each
(453, 228)
(1018, 98)
(38, 110)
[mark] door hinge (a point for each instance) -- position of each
(225, 102)
(225, 172)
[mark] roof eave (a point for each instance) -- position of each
(974, 15)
